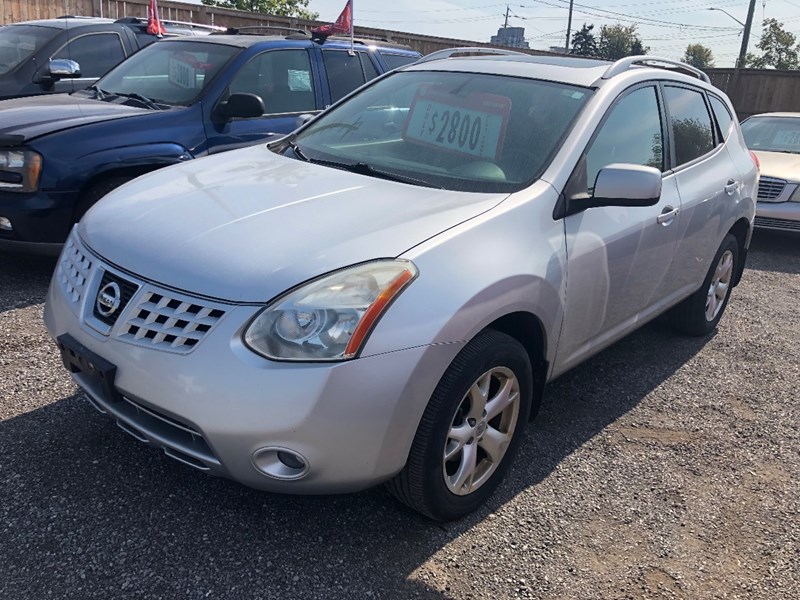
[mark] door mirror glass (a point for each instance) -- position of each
(242, 105)
(626, 185)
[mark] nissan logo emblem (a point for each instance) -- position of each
(108, 299)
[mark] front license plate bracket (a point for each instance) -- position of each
(77, 358)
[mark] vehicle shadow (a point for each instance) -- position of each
(774, 251)
(88, 512)
(24, 279)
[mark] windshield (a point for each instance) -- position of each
(774, 134)
(459, 131)
(18, 42)
(168, 72)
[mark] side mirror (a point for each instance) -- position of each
(62, 68)
(242, 105)
(626, 185)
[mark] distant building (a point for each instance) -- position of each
(558, 49)
(513, 37)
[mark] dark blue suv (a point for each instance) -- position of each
(170, 102)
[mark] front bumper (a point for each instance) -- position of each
(780, 216)
(214, 406)
(41, 220)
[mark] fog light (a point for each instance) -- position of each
(5, 224)
(280, 463)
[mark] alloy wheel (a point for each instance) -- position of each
(720, 285)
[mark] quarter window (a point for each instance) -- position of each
(282, 78)
(96, 53)
(722, 114)
(690, 124)
(631, 134)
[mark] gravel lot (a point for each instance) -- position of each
(665, 467)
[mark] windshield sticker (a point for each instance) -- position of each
(473, 125)
(182, 73)
(787, 138)
(299, 81)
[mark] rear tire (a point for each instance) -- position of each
(470, 431)
(700, 313)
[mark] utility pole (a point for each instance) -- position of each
(746, 35)
(742, 54)
(505, 25)
(569, 28)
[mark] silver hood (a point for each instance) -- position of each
(782, 165)
(247, 225)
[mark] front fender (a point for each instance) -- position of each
(510, 259)
(144, 157)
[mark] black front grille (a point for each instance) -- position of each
(782, 224)
(127, 290)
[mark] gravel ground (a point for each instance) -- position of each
(665, 467)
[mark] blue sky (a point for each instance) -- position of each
(667, 26)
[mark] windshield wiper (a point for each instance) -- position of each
(297, 152)
(148, 102)
(98, 93)
(363, 168)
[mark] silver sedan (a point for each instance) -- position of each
(775, 140)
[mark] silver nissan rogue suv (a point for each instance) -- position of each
(382, 295)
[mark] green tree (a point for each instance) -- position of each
(698, 56)
(618, 41)
(286, 8)
(778, 48)
(584, 42)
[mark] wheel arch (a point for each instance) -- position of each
(528, 330)
(742, 230)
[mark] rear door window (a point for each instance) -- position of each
(692, 130)
(346, 73)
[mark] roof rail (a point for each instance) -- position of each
(187, 24)
(624, 64)
(448, 52)
(254, 29)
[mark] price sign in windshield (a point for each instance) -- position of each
(182, 74)
(473, 125)
(787, 138)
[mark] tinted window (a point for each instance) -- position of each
(690, 123)
(18, 42)
(345, 73)
(462, 131)
(282, 78)
(96, 53)
(370, 72)
(395, 61)
(169, 72)
(631, 134)
(723, 116)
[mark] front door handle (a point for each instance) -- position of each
(731, 187)
(667, 216)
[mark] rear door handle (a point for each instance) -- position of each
(731, 187)
(667, 216)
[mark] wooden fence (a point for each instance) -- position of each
(757, 90)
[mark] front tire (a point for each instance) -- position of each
(700, 313)
(470, 431)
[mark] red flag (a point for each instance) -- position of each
(154, 25)
(344, 24)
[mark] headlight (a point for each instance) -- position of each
(795, 197)
(20, 170)
(331, 317)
